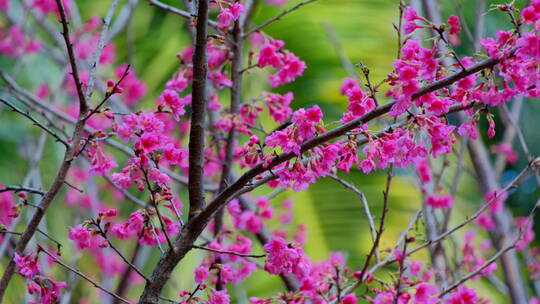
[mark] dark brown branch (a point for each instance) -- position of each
(72, 59)
(375, 246)
(23, 189)
(198, 107)
(10, 232)
(109, 93)
(223, 197)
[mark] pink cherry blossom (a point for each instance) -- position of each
(28, 265)
(453, 21)
(201, 274)
(349, 299)
(218, 297)
(80, 235)
(444, 201)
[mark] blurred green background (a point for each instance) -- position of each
(332, 214)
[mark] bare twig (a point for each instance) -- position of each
(123, 18)
(99, 49)
(178, 11)
(389, 258)
(511, 185)
(35, 121)
(82, 275)
(277, 17)
(130, 264)
(230, 252)
(494, 257)
(36, 103)
(71, 55)
(10, 232)
(451, 231)
(23, 189)
(123, 284)
(365, 205)
(375, 247)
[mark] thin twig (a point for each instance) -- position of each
(230, 252)
(360, 194)
(275, 18)
(375, 247)
(82, 275)
(494, 257)
(99, 49)
(444, 235)
(23, 189)
(123, 19)
(178, 11)
(62, 171)
(10, 232)
(109, 93)
(130, 264)
(35, 121)
(38, 103)
(71, 55)
(155, 205)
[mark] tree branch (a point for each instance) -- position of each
(64, 167)
(23, 189)
(99, 48)
(82, 275)
(198, 107)
(229, 252)
(35, 121)
(178, 11)
(191, 231)
(277, 17)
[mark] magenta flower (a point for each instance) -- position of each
(80, 235)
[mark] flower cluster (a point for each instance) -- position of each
(46, 288)
(290, 66)
(299, 150)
